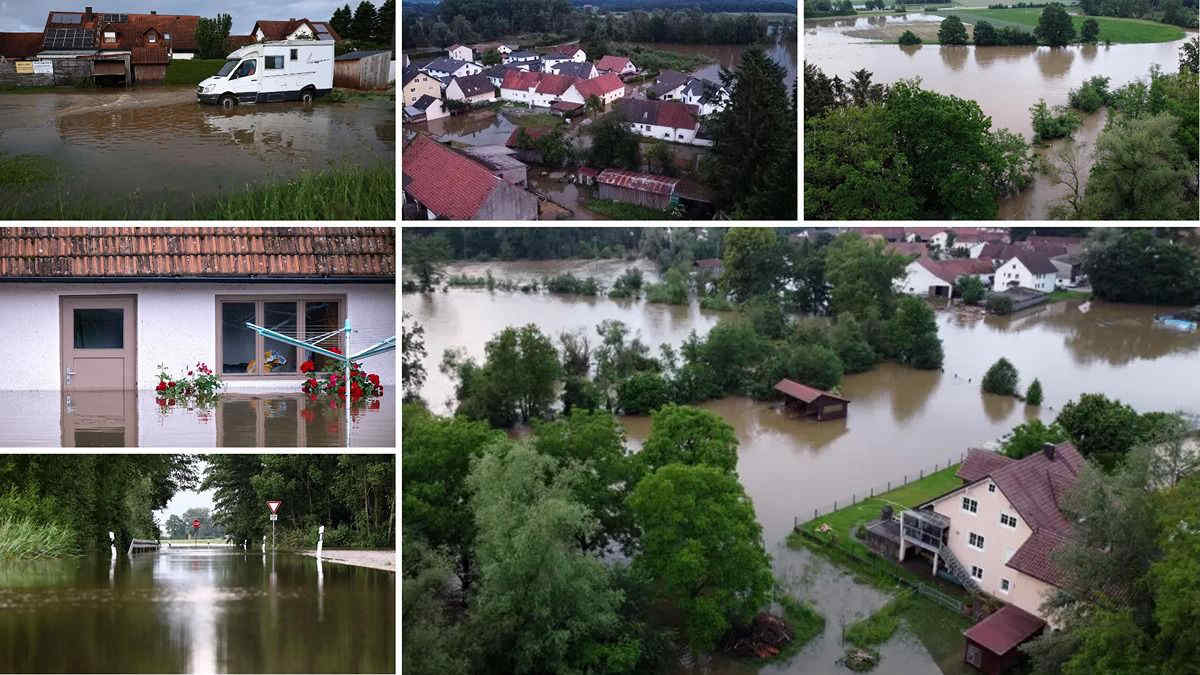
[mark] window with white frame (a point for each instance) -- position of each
(1005, 585)
(970, 505)
(977, 572)
(1008, 520)
(975, 541)
(991, 487)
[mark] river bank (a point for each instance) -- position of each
(379, 560)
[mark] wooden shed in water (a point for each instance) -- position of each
(813, 402)
(643, 189)
(362, 70)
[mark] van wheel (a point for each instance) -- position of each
(228, 101)
(306, 97)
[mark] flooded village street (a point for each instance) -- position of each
(195, 610)
(1005, 81)
(900, 420)
(158, 144)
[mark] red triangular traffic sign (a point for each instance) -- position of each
(274, 505)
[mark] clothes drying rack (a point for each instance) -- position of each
(311, 344)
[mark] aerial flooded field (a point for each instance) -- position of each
(158, 153)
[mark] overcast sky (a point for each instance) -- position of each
(19, 16)
(182, 501)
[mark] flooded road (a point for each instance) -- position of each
(900, 419)
(200, 611)
(1005, 81)
(135, 419)
(161, 145)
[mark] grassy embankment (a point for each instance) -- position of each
(1064, 294)
(22, 537)
(622, 211)
(191, 72)
(1112, 29)
(938, 628)
(805, 621)
(344, 193)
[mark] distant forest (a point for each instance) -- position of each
(704, 5)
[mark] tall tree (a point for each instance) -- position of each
(687, 435)
(952, 31)
(753, 262)
(385, 23)
(412, 357)
(342, 20)
(862, 272)
(1054, 26)
(363, 25)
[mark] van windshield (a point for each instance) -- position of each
(228, 67)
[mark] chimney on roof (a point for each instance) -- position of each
(154, 11)
(1048, 449)
(87, 14)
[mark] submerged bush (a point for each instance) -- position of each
(909, 38)
(1048, 124)
(1001, 378)
(1090, 95)
(569, 283)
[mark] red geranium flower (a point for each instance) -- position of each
(335, 350)
(307, 367)
(189, 372)
(170, 384)
(161, 401)
(162, 386)
(308, 414)
(374, 404)
(374, 379)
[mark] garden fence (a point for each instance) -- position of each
(869, 493)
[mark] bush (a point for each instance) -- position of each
(909, 38)
(672, 291)
(984, 34)
(952, 31)
(767, 317)
(642, 393)
(1034, 395)
(999, 304)
(970, 289)
(1001, 378)
(569, 283)
(1091, 95)
(1048, 124)
(1091, 30)
(716, 303)
(815, 365)
(850, 343)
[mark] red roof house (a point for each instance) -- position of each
(521, 80)
(446, 184)
(554, 85)
(613, 64)
(991, 644)
(20, 45)
(268, 29)
(812, 401)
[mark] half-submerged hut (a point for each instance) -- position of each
(813, 402)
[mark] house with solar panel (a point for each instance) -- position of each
(293, 29)
(120, 46)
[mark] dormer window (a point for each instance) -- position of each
(110, 36)
(166, 36)
(151, 38)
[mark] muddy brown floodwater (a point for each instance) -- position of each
(212, 610)
(160, 143)
(900, 419)
(1005, 81)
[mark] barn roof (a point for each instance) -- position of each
(577, 69)
(520, 79)
(804, 392)
(473, 85)
(20, 45)
(534, 133)
(666, 81)
(173, 252)
(660, 113)
(565, 50)
(599, 86)
(610, 62)
(554, 84)
(445, 65)
(642, 182)
(448, 183)
(1004, 629)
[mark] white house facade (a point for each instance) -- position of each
(608, 88)
(460, 53)
(1026, 270)
(448, 68)
(920, 280)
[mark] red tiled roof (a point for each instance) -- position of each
(20, 45)
(279, 30)
(889, 233)
(235, 42)
(614, 63)
(565, 50)
(534, 133)
(565, 106)
(599, 86)
(554, 84)
(521, 80)
(804, 392)
(446, 182)
(980, 463)
(1034, 557)
(1003, 630)
(643, 182)
(907, 248)
(131, 33)
(950, 270)
(1037, 240)
(1037, 263)
(924, 232)
(165, 252)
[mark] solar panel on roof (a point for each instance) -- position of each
(324, 36)
(69, 38)
(115, 18)
(62, 17)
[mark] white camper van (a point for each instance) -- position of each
(287, 70)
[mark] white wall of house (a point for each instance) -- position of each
(177, 326)
(504, 50)
(302, 32)
(436, 111)
(544, 100)
(1000, 542)
(1015, 271)
(918, 280)
(518, 95)
(687, 136)
(182, 56)
(455, 93)
(463, 70)
(462, 53)
(572, 95)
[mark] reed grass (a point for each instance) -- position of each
(25, 538)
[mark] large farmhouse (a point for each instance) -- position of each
(448, 68)
(293, 29)
(1026, 269)
(607, 88)
(666, 120)
(440, 183)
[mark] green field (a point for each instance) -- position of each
(1118, 31)
(192, 71)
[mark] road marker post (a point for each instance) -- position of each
(320, 540)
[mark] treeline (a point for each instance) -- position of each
(528, 243)
(704, 5)
(62, 504)
(1154, 266)
(470, 21)
(745, 354)
(179, 526)
(1145, 158)
(903, 152)
(353, 496)
(506, 545)
(1176, 12)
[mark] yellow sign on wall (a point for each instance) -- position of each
(24, 67)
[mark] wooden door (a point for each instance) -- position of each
(98, 343)
(93, 419)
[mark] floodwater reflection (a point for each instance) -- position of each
(135, 418)
(205, 610)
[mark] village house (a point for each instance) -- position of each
(269, 30)
(519, 86)
(460, 53)
(566, 53)
(521, 57)
(1026, 269)
(921, 234)
(550, 89)
(440, 183)
(500, 160)
(505, 50)
(970, 239)
(102, 307)
(577, 70)
(666, 120)
(812, 402)
(471, 89)
(607, 88)
(668, 86)
(709, 96)
(643, 189)
(425, 109)
(496, 74)
(1070, 269)
(20, 46)
(1072, 245)
(448, 68)
(617, 65)
(928, 277)
(417, 84)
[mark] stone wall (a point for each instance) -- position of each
(66, 71)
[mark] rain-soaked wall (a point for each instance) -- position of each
(176, 326)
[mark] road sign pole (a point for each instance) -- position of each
(272, 536)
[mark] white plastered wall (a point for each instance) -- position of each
(176, 326)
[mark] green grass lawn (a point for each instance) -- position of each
(23, 170)
(1119, 31)
(1065, 294)
(622, 211)
(542, 120)
(650, 58)
(805, 621)
(192, 71)
(843, 521)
